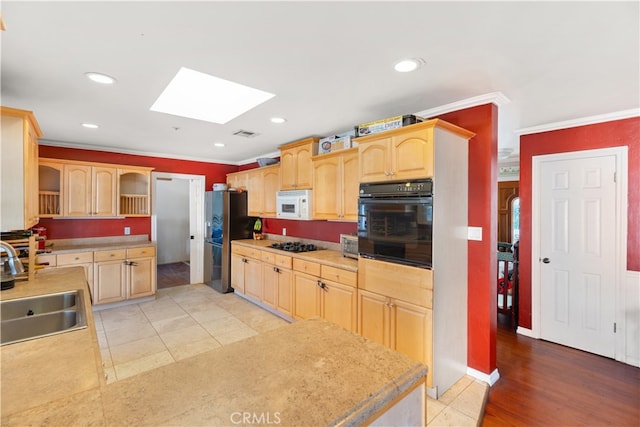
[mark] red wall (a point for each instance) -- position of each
(482, 258)
(603, 135)
(80, 228)
(327, 231)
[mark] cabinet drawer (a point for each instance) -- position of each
(147, 251)
(308, 267)
(268, 257)
(410, 284)
(43, 259)
(339, 275)
(111, 255)
(283, 261)
(78, 258)
(246, 251)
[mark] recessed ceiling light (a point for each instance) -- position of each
(100, 78)
(90, 126)
(218, 144)
(200, 96)
(278, 120)
(407, 65)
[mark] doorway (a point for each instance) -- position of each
(578, 247)
(177, 227)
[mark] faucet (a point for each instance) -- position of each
(14, 262)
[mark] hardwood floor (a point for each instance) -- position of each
(546, 384)
(173, 274)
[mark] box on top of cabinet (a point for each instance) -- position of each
(386, 124)
(337, 142)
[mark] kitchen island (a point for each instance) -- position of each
(311, 372)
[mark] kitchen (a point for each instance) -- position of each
(479, 116)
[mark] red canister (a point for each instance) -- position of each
(42, 233)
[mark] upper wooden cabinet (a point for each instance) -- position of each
(85, 189)
(295, 164)
(403, 153)
(335, 185)
(238, 180)
(19, 165)
(262, 185)
(134, 187)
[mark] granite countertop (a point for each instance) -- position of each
(323, 256)
(311, 372)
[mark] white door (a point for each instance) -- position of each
(578, 252)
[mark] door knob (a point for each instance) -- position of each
(546, 260)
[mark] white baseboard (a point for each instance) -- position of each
(526, 332)
(487, 378)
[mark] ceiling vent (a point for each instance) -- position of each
(245, 133)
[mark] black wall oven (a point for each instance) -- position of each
(395, 222)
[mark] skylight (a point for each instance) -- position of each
(200, 96)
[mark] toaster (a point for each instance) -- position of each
(349, 245)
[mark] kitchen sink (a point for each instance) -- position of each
(34, 317)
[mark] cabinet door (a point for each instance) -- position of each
(269, 284)
(304, 171)
(105, 194)
(350, 186)
(412, 331)
(31, 181)
(271, 185)
(142, 277)
(413, 155)
(109, 281)
(255, 194)
(373, 317)
(288, 169)
(77, 190)
(237, 180)
(253, 278)
(327, 179)
(306, 296)
(284, 302)
(375, 160)
(237, 273)
(339, 304)
(88, 274)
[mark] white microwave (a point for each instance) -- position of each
(294, 204)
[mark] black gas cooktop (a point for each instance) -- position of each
(295, 246)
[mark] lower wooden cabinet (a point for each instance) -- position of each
(110, 277)
(306, 296)
(80, 259)
(142, 272)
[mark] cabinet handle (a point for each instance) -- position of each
(392, 173)
(244, 260)
(133, 264)
(276, 269)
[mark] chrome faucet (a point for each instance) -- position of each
(14, 262)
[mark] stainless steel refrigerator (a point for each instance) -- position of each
(226, 219)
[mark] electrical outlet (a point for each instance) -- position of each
(284, 231)
(127, 231)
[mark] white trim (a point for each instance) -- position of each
(621, 155)
(490, 379)
(590, 120)
(630, 314)
(497, 98)
(51, 143)
(526, 332)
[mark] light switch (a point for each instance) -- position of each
(475, 233)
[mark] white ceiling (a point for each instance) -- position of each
(330, 65)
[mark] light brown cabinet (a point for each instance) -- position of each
(262, 186)
(19, 169)
(246, 271)
(79, 259)
(277, 281)
(134, 191)
(295, 164)
(50, 188)
(335, 185)
(90, 191)
(123, 274)
(238, 180)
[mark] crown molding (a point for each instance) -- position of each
(590, 120)
(497, 98)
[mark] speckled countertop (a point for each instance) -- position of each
(311, 372)
(323, 256)
(63, 246)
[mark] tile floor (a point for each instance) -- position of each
(187, 320)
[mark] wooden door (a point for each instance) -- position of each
(577, 247)
(271, 185)
(255, 193)
(77, 190)
(288, 168)
(269, 284)
(326, 187)
(109, 281)
(284, 301)
(237, 273)
(306, 296)
(304, 171)
(375, 160)
(412, 331)
(31, 182)
(350, 186)
(507, 192)
(339, 305)
(412, 155)
(373, 317)
(105, 191)
(141, 277)
(253, 278)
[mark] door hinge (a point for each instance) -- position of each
(614, 327)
